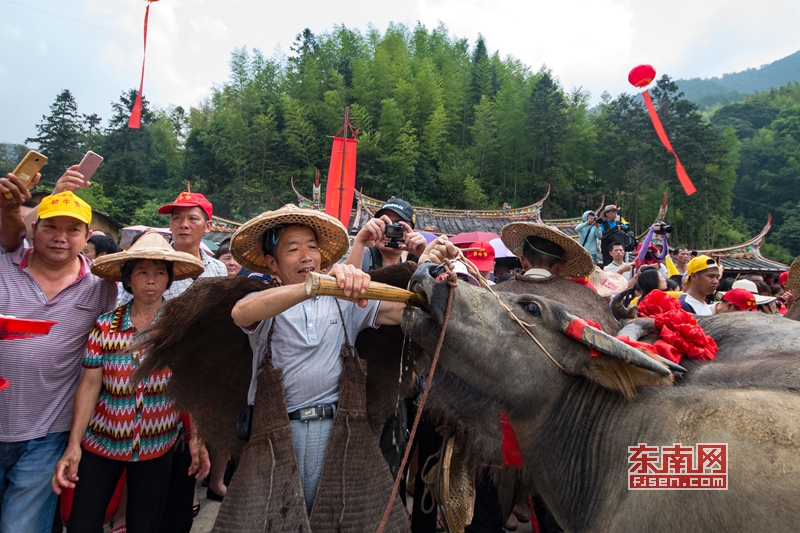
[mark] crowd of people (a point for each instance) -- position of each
(76, 423)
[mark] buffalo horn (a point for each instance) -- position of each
(636, 329)
(607, 344)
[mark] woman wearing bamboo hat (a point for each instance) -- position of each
(119, 425)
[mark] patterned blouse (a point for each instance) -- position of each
(129, 423)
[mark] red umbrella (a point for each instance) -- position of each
(464, 239)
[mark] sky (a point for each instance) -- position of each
(94, 47)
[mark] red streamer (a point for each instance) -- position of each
(346, 185)
(687, 184)
(136, 113)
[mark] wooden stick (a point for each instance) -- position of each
(324, 285)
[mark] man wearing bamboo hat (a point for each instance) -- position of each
(555, 267)
(50, 281)
(288, 244)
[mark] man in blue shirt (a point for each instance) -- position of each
(588, 233)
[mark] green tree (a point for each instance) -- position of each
(484, 136)
(10, 156)
(60, 137)
(547, 130)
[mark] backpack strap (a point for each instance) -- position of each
(586, 237)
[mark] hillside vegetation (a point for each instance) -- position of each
(733, 87)
(440, 122)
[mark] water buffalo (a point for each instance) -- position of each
(755, 350)
(575, 424)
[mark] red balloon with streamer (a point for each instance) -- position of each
(136, 113)
(641, 76)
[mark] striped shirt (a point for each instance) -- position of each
(44, 372)
(130, 422)
(214, 268)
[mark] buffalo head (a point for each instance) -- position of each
(485, 347)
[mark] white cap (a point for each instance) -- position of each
(751, 287)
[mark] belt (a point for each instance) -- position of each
(318, 412)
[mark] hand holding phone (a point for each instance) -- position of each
(88, 165)
(30, 165)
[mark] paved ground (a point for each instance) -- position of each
(204, 521)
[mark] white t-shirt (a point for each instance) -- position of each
(538, 273)
(700, 308)
(613, 267)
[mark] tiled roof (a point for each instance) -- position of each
(752, 264)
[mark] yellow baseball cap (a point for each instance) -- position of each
(698, 264)
(65, 204)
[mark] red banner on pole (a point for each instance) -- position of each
(136, 113)
(340, 190)
(688, 186)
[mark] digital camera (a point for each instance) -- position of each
(664, 229)
(394, 232)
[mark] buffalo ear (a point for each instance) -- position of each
(621, 377)
(611, 373)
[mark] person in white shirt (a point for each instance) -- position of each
(702, 280)
(618, 265)
(682, 257)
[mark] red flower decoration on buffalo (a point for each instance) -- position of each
(657, 302)
(680, 330)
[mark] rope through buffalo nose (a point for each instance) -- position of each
(445, 272)
(449, 275)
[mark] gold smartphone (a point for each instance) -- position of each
(30, 165)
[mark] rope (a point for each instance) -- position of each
(452, 281)
(525, 326)
(344, 462)
(271, 479)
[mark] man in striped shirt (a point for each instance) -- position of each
(50, 281)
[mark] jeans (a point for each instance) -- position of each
(27, 501)
(310, 442)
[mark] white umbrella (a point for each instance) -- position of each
(500, 249)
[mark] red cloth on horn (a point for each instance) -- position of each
(575, 330)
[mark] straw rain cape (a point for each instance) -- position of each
(211, 362)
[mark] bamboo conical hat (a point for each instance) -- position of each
(151, 246)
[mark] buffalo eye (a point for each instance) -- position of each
(533, 309)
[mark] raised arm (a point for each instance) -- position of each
(267, 304)
(13, 193)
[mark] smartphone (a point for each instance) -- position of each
(88, 165)
(30, 165)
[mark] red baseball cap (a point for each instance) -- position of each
(741, 298)
(483, 258)
(188, 199)
(783, 278)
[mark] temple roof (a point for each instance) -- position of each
(455, 221)
(746, 257)
(741, 259)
